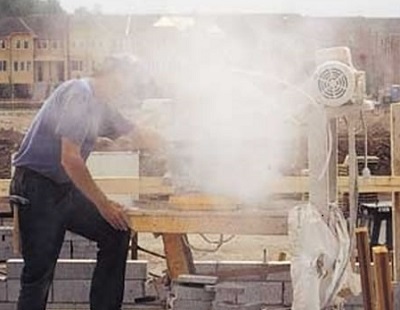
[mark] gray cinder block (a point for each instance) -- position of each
(269, 293)
(71, 290)
(8, 306)
(3, 289)
(14, 268)
(287, 294)
(74, 269)
(136, 270)
(227, 306)
(190, 304)
(84, 249)
(133, 289)
(184, 292)
(13, 289)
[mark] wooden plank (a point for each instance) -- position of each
(213, 222)
(395, 157)
(178, 255)
(285, 185)
(364, 258)
(383, 281)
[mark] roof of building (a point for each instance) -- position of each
(9, 25)
(48, 26)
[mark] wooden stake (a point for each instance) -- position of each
(364, 258)
(179, 256)
(383, 283)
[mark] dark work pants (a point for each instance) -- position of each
(53, 209)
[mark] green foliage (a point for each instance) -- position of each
(28, 7)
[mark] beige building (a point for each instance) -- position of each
(16, 58)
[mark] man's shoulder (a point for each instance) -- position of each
(76, 85)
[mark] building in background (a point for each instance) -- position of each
(39, 52)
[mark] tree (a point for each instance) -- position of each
(28, 7)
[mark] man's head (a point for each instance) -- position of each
(120, 73)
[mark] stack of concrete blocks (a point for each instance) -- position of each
(192, 292)
(74, 246)
(270, 289)
(273, 289)
(78, 247)
(71, 283)
(6, 243)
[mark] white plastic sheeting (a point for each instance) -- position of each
(320, 266)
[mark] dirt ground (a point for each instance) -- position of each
(14, 123)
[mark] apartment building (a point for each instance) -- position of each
(39, 52)
(16, 58)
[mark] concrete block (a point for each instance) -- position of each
(14, 268)
(68, 306)
(71, 291)
(70, 236)
(287, 294)
(227, 306)
(206, 267)
(185, 292)
(269, 293)
(133, 289)
(136, 270)
(229, 267)
(74, 269)
(6, 244)
(3, 289)
(66, 250)
(283, 275)
(14, 287)
(8, 306)
(190, 304)
(84, 249)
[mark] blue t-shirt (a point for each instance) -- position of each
(72, 112)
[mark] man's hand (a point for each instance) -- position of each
(144, 139)
(114, 214)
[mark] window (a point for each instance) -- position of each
(26, 44)
(3, 44)
(42, 44)
(22, 66)
(28, 66)
(54, 44)
(76, 65)
(18, 44)
(15, 65)
(3, 65)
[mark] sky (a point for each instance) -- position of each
(373, 8)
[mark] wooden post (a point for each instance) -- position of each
(383, 281)
(364, 258)
(333, 164)
(317, 155)
(178, 255)
(395, 156)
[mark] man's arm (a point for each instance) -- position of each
(76, 169)
(144, 139)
